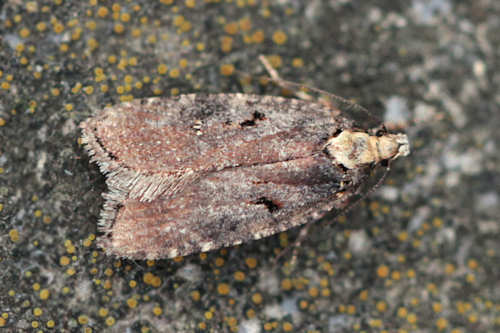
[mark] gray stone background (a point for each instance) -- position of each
(419, 254)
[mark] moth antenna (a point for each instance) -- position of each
(303, 95)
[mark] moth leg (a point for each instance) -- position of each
(294, 87)
(330, 100)
(295, 245)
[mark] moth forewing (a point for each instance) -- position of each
(199, 172)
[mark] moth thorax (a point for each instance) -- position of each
(355, 149)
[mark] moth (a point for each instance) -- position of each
(194, 173)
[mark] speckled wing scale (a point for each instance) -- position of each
(199, 172)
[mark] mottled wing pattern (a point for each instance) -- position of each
(227, 208)
(195, 172)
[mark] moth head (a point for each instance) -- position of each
(356, 149)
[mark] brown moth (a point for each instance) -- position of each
(197, 172)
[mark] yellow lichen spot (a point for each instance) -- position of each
(131, 302)
(472, 264)
(175, 73)
(441, 323)
(51, 323)
(231, 28)
(219, 262)
(383, 271)
(251, 262)
(44, 294)
(245, 24)
(239, 276)
(108, 272)
(41, 26)
(119, 28)
(83, 319)
(286, 284)
(396, 275)
(102, 12)
(297, 62)
(470, 278)
(91, 25)
(258, 37)
(64, 47)
(68, 107)
(381, 306)
(132, 283)
(200, 47)
(287, 326)
(279, 37)
(195, 295)
(20, 48)
(449, 268)
(257, 298)
(209, 315)
(275, 61)
(227, 69)
(14, 235)
(313, 292)
(402, 312)
(55, 91)
(411, 318)
(5, 85)
(403, 236)
(162, 69)
(125, 17)
(24, 33)
(58, 28)
(110, 321)
(363, 295)
(157, 311)
(226, 44)
(88, 90)
(103, 312)
(223, 289)
(375, 323)
(411, 273)
(120, 90)
(183, 63)
(35, 324)
(37, 312)
(112, 59)
(71, 271)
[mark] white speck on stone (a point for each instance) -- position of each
(396, 111)
(424, 113)
(418, 218)
(472, 162)
(456, 111)
(389, 193)
(469, 162)
(189, 272)
(428, 11)
(359, 243)
(487, 201)
(250, 326)
(339, 323)
(479, 68)
(269, 282)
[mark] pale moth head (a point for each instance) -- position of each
(355, 149)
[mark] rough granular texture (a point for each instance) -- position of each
(200, 172)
